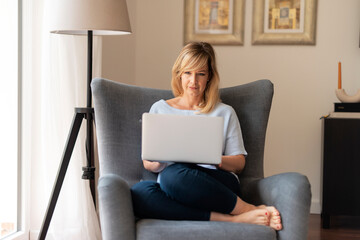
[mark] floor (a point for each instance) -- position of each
(341, 228)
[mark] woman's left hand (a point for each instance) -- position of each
(235, 163)
(154, 166)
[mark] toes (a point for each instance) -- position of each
(271, 218)
(276, 213)
(276, 226)
(276, 218)
(263, 212)
(273, 211)
(265, 221)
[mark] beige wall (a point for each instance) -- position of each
(305, 77)
(118, 60)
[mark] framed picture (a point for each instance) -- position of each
(284, 22)
(218, 22)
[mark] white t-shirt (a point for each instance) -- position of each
(233, 142)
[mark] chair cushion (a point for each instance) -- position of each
(151, 229)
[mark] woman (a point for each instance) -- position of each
(193, 191)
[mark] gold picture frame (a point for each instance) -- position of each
(299, 28)
(224, 27)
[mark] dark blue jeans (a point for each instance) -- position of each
(186, 192)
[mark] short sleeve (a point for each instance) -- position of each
(234, 144)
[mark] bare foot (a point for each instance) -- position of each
(257, 216)
(242, 207)
(275, 219)
(243, 212)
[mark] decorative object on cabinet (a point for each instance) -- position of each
(341, 94)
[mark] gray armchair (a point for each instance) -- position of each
(118, 110)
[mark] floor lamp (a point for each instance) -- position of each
(83, 17)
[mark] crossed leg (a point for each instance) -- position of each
(173, 199)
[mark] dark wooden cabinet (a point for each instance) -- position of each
(341, 168)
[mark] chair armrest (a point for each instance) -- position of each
(115, 207)
(290, 193)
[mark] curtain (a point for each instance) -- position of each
(59, 85)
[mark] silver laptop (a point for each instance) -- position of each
(174, 138)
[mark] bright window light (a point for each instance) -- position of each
(9, 98)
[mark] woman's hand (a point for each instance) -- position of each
(154, 166)
(234, 163)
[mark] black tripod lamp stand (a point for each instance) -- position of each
(83, 17)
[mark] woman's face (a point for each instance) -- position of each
(194, 82)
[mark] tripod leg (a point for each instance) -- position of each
(75, 127)
(90, 152)
(89, 170)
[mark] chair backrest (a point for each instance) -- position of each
(118, 111)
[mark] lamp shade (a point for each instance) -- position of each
(77, 17)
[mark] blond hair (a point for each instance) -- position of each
(195, 56)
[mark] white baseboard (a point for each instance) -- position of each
(315, 207)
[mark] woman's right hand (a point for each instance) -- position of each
(153, 166)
